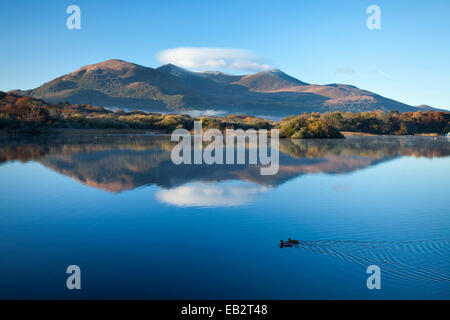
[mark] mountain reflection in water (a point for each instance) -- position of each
(120, 163)
(120, 209)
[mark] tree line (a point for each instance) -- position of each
(25, 114)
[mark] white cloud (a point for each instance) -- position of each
(210, 195)
(213, 58)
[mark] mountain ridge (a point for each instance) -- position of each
(120, 84)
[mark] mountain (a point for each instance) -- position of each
(124, 85)
(269, 81)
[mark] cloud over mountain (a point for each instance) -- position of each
(213, 58)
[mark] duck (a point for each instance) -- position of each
(285, 244)
(293, 241)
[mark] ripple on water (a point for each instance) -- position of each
(421, 260)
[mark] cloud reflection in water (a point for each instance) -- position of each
(211, 194)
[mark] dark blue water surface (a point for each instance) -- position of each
(141, 227)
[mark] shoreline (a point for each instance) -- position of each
(25, 115)
(72, 131)
(365, 134)
(155, 132)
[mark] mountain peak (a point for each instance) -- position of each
(170, 66)
(274, 70)
(425, 107)
(113, 64)
(110, 65)
(174, 70)
(269, 80)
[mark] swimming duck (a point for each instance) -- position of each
(285, 244)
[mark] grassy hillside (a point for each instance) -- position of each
(124, 85)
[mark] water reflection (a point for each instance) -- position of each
(119, 163)
(128, 210)
(211, 194)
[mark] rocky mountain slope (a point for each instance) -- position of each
(124, 85)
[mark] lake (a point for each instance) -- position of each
(141, 227)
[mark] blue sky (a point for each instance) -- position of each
(316, 41)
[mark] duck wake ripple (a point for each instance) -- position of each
(424, 260)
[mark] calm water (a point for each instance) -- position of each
(141, 227)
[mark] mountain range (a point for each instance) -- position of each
(119, 84)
